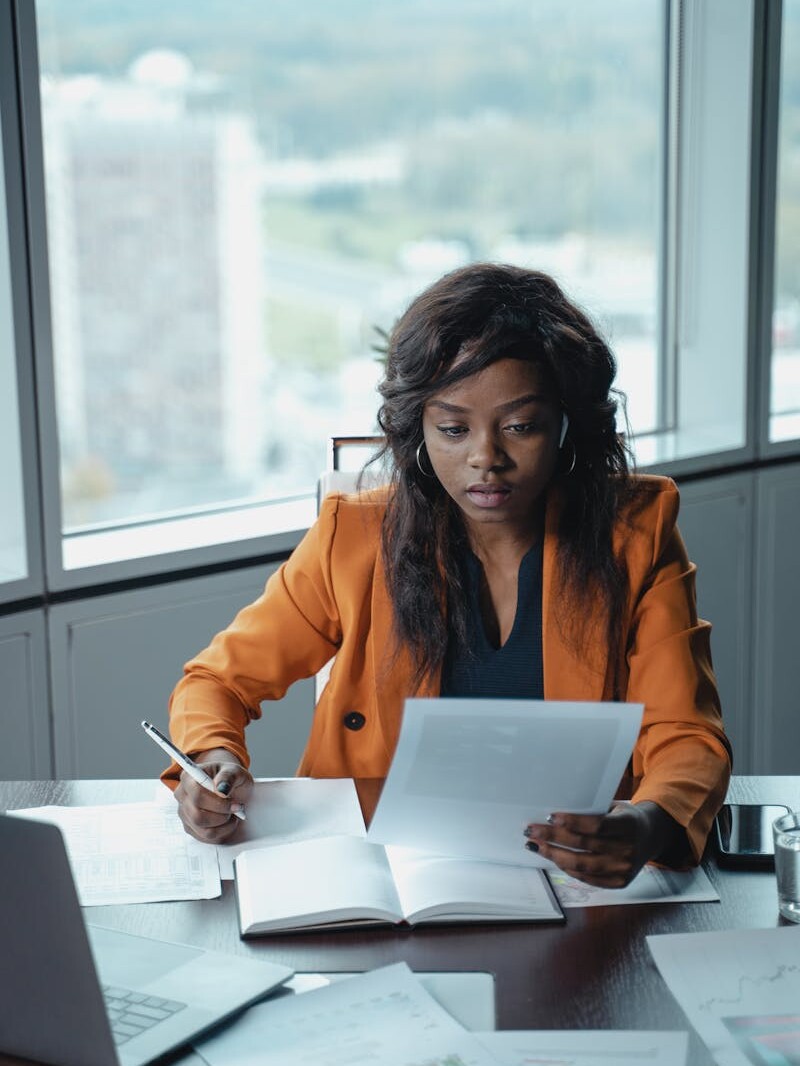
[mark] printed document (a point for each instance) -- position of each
(385, 1016)
(132, 853)
(587, 1047)
(469, 774)
(740, 989)
(651, 885)
(283, 810)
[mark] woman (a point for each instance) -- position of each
(513, 555)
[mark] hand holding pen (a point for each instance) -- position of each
(212, 790)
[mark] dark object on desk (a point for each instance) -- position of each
(155, 995)
(743, 834)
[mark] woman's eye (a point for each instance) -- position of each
(451, 431)
(520, 428)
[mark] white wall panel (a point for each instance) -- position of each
(24, 716)
(776, 706)
(717, 526)
(116, 659)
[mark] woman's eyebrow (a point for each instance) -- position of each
(510, 405)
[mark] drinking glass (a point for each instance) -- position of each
(786, 834)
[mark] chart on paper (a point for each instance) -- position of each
(384, 1016)
(740, 990)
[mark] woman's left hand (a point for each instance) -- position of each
(612, 847)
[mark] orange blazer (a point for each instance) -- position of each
(330, 598)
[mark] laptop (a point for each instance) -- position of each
(75, 994)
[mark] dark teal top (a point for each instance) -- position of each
(514, 671)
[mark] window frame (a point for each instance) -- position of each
(768, 205)
(30, 585)
(237, 535)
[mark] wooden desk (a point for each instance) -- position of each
(593, 972)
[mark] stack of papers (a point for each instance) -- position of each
(387, 1016)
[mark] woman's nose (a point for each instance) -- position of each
(487, 452)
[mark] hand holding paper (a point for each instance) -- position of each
(469, 775)
(607, 850)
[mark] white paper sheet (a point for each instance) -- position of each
(589, 1047)
(384, 1016)
(282, 810)
(131, 853)
(469, 774)
(651, 885)
(739, 989)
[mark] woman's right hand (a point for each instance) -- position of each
(209, 816)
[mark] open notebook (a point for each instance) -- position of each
(347, 881)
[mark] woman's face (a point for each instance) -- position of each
(492, 440)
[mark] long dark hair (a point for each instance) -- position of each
(462, 323)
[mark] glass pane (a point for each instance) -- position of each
(242, 197)
(785, 390)
(13, 549)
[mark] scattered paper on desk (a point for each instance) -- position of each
(132, 853)
(385, 1016)
(468, 775)
(739, 989)
(284, 810)
(587, 1047)
(651, 885)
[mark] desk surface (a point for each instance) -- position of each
(594, 972)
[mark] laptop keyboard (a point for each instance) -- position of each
(130, 1013)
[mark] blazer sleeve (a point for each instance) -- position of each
(288, 633)
(682, 759)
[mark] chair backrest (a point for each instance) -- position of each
(343, 476)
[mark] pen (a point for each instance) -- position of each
(191, 768)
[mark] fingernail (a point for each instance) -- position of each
(531, 846)
(528, 831)
(224, 787)
(550, 820)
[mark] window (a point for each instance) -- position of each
(14, 563)
(242, 197)
(785, 368)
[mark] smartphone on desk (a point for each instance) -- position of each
(744, 834)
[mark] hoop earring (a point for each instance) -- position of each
(574, 458)
(421, 468)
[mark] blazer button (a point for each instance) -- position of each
(354, 720)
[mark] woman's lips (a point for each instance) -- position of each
(488, 495)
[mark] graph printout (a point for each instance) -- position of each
(385, 1016)
(131, 853)
(651, 885)
(739, 989)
